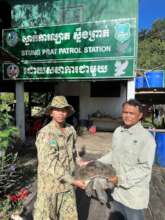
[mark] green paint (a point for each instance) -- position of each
(115, 38)
(71, 70)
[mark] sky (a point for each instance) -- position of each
(149, 11)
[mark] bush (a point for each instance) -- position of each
(9, 134)
(10, 175)
(8, 137)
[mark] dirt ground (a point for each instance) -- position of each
(95, 144)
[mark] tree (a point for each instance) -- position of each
(151, 50)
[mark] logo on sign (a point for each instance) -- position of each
(12, 38)
(13, 71)
(122, 32)
(120, 67)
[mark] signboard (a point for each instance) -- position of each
(72, 70)
(102, 43)
(113, 38)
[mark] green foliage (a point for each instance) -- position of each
(10, 179)
(8, 137)
(151, 51)
(41, 99)
(7, 97)
(9, 175)
(4, 209)
(8, 132)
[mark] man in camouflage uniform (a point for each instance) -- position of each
(56, 150)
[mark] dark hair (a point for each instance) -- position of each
(134, 103)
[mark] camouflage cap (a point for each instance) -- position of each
(60, 102)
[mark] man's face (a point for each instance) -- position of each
(131, 115)
(59, 115)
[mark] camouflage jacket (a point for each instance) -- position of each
(55, 150)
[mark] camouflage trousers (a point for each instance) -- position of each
(57, 206)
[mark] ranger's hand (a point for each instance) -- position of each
(82, 163)
(79, 183)
(66, 179)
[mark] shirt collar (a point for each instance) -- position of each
(56, 129)
(132, 129)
